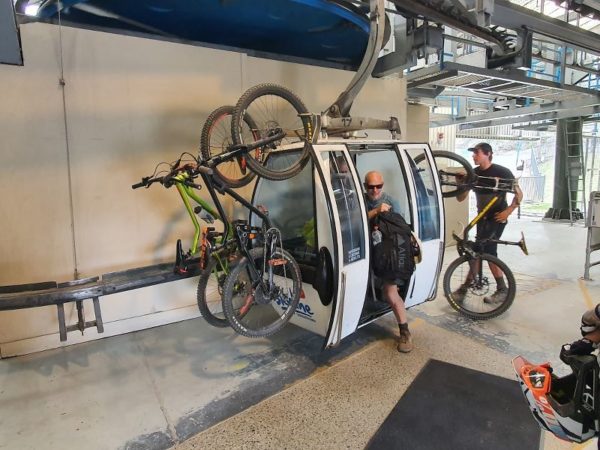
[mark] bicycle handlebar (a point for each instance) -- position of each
(500, 184)
(138, 185)
(169, 179)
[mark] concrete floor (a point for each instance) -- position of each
(189, 385)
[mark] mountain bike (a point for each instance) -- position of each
(182, 175)
(266, 110)
(216, 139)
(260, 286)
(469, 282)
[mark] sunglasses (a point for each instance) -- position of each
(370, 187)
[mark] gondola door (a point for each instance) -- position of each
(343, 232)
(426, 199)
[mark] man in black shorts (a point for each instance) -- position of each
(493, 223)
(377, 202)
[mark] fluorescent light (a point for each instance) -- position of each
(31, 10)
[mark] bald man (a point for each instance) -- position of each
(378, 202)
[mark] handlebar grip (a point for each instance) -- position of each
(138, 185)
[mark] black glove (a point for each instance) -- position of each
(580, 347)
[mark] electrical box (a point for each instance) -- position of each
(593, 216)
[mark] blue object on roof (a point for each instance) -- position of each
(331, 31)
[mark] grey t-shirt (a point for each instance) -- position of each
(385, 198)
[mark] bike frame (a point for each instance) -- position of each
(186, 193)
(482, 213)
(241, 235)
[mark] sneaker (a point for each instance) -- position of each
(496, 298)
(405, 344)
(460, 294)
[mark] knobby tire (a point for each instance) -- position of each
(267, 122)
(449, 189)
(216, 319)
(232, 284)
(214, 124)
(460, 306)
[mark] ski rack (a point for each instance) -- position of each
(50, 293)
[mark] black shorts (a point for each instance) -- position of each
(489, 229)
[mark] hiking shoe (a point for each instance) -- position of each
(496, 298)
(460, 294)
(405, 343)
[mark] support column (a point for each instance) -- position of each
(568, 145)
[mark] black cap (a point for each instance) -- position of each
(483, 146)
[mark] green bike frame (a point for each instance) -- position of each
(186, 192)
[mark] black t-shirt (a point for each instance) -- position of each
(485, 195)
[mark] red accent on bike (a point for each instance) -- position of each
(302, 293)
(247, 304)
(277, 262)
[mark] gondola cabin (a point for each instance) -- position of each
(322, 216)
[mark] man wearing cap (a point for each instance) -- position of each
(493, 223)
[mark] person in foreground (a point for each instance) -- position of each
(378, 202)
(493, 223)
(590, 330)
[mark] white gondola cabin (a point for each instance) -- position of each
(323, 220)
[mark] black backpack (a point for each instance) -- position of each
(393, 255)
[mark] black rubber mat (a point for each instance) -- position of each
(452, 407)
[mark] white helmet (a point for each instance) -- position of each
(566, 406)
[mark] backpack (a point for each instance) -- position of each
(394, 247)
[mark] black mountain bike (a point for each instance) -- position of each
(470, 280)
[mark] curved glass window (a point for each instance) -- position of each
(291, 208)
(346, 198)
(428, 208)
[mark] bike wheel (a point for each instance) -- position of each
(209, 293)
(473, 298)
(448, 165)
(273, 108)
(216, 138)
(251, 312)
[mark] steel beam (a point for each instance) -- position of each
(513, 16)
(552, 115)
(546, 111)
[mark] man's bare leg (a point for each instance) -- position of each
(393, 298)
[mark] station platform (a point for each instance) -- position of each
(190, 386)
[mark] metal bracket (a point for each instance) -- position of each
(81, 324)
(336, 120)
(341, 107)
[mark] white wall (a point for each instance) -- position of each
(129, 103)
